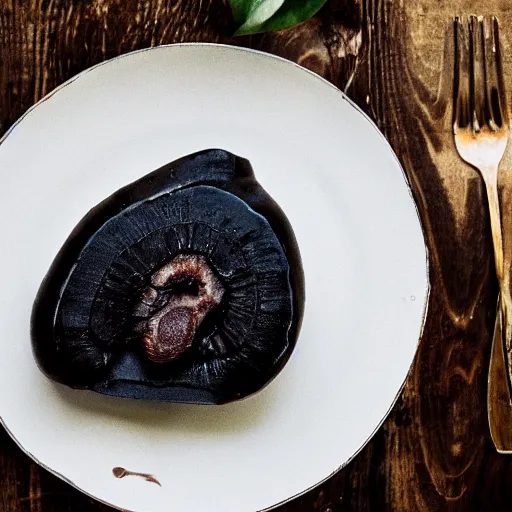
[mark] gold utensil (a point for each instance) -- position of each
(481, 130)
(499, 407)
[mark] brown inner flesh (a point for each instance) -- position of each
(170, 331)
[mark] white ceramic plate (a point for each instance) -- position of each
(364, 260)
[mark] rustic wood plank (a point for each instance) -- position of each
(434, 451)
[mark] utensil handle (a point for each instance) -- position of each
(491, 186)
(499, 407)
(505, 303)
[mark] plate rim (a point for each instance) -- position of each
(353, 105)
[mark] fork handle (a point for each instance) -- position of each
(491, 185)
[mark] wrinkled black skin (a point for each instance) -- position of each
(82, 364)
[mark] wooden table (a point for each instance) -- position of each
(434, 451)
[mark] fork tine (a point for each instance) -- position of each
(499, 68)
(477, 88)
(461, 113)
(496, 98)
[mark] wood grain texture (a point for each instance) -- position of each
(434, 452)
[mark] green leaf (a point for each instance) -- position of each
(252, 13)
(240, 9)
(290, 13)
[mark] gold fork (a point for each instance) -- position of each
(481, 130)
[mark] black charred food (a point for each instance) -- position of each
(184, 286)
